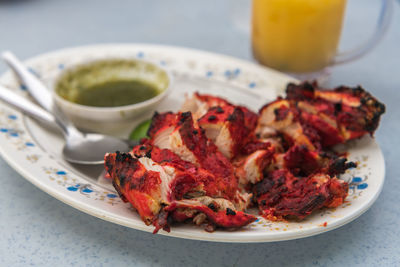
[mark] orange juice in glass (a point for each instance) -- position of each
(302, 36)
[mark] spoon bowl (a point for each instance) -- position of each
(91, 148)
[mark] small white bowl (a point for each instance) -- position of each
(110, 120)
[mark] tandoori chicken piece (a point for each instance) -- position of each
(303, 162)
(190, 144)
(281, 195)
(226, 128)
(225, 125)
(322, 118)
(141, 182)
(283, 117)
(158, 184)
(199, 104)
(206, 183)
(250, 169)
(218, 212)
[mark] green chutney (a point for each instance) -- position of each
(115, 93)
(112, 83)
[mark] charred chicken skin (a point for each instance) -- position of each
(319, 118)
(281, 195)
(212, 160)
(162, 187)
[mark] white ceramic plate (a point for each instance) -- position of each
(35, 152)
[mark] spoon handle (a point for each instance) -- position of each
(36, 88)
(40, 93)
(25, 105)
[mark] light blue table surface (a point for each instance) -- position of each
(36, 229)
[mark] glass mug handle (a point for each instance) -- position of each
(380, 30)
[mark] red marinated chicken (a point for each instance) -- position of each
(310, 121)
(322, 118)
(281, 195)
(226, 128)
(191, 144)
(162, 188)
(199, 104)
(208, 162)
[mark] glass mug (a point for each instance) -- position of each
(301, 37)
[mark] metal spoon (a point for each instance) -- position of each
(80, 148)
